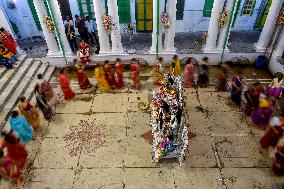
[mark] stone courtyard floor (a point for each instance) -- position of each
(99, 140)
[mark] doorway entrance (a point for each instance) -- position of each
(144, 15)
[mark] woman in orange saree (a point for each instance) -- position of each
(8, 40)
(65, 86)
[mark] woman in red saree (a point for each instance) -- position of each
(119, 74)
(8, 41)
(278, 165)
(65, 85)
(84, 52)
(10, 170)
(15, 150)
(82, 77)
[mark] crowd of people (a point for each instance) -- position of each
(260, 103)
(8, 49)
(88, 35)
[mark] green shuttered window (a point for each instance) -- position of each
(124, 11)
(86, 8)
(180, 9)
(207, 8)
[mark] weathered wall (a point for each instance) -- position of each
(22, 17)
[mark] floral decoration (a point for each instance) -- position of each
(107, 22)
(165, 20)
(86, 136)
(223, 19)
(280, 19)
(49, 24)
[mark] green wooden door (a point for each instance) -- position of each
(35, 16)
(124, 11)
(263, 17)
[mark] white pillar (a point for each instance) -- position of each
(57, 14)
(171, 31)
(102, 33)
(132, 11)
(223, 31)
(5, 23)
(115, 32)
(269, 26)
(155, 24)
(213, 27)
(280, 46)
(53, 49)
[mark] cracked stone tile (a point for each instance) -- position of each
(240, 151)
(108, 178)
(236, 178)
(51, 178)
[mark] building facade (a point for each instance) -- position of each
(183, 16)
(191, 15)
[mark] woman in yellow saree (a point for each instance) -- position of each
(101, 80)
(175, 66)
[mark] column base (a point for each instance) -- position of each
(54, 54)
(209, 50)
(259, 48)
(169, 51)
(118, 52)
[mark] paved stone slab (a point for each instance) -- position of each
(108, 102)
(200, 153)
(80, 104)
(54, 154)
(108, 178)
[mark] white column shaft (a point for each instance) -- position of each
(223, 31)
(269, 25)
(213, 26)
(115, 33)
(155, 26)
(132, 11)
(52, 45)
(102, 33)
(56, 9)
(280, 46)
(171, 31)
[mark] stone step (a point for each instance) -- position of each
(47, 72)
(12, 84)
(12, 92)
(7, 75)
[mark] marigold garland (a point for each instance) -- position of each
(49, 24)
(107, 22)
(165, 20)
(280, 19)
(223, 19)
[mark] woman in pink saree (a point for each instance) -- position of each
(188, 79)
